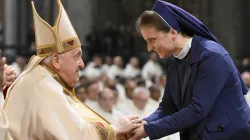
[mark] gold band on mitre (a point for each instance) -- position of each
(57, 39)
(68, 44)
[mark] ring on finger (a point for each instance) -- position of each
(133, 121)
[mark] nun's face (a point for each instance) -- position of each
(159, 41)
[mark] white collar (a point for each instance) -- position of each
(185, 50)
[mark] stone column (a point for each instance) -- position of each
(23, 22)
(10, 22)
(1, 11)
(1, 22)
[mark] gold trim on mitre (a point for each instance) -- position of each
(57, 39)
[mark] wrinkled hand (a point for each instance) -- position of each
(9, 75)
(125, 125)
(137, 134)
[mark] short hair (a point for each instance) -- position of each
(141, 82)
(154, 88)
(78, 87)
(82, 77)
(97, 56)
(113, 88)
(139, 89)
(89, 83)
(151, 18)
(101, 92)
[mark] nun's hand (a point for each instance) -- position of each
(125, 125)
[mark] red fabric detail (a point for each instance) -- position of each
(71, 42)
(41, 52)
(101, 124)
(5, 92)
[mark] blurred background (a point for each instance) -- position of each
(106, 26)
(120, 76)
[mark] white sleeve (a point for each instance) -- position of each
(144, 72)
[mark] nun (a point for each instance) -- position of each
(204, 92)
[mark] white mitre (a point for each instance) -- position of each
(57, 39)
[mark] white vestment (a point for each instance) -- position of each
(114, 71)
(112, 116)
(247, 97)
(38, 106)
(151, 68)
(130, 71)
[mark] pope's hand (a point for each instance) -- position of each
(125, 125)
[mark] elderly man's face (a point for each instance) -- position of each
(134, 61)
(98, 61)
(130, 85)
(81, 94)
(70, 63)
(246, 78)
(140, 100)
(93, 91)
(108, 60)
(106, 100)
(155, 95)
(118, 61)
(21, 62)
(104, 78)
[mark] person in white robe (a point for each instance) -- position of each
(122, 105)
(139, 102)
(103, 82)
(93, 90)
(106, 105)
(93, 69)
(116, 68)
(19, 65)
(246, 78)
(119, 89)
(132, 68)
(162, 83)
(41, 103)
(81, 93)
(152, 68)
(107, 63)
(155, 94)
(152, 104)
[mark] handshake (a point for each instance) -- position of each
(129, 128)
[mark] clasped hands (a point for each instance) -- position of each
(129, 128)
